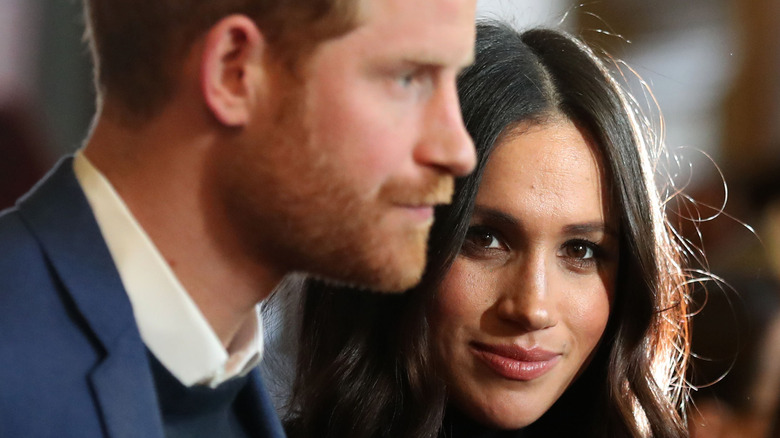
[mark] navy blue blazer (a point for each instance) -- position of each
(72, 362)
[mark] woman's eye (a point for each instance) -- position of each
(582, 255)
(580, 250)
(480, 238)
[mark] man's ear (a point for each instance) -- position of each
(231, 69)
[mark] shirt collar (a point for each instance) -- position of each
(170, 323)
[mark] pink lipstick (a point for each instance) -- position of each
(516, 363)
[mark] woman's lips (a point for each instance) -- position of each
(516, 363)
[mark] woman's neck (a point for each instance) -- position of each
(456, 424)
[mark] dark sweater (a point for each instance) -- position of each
(198, 411)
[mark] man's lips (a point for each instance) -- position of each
(514, 362)
(421, 208)
(421, 213)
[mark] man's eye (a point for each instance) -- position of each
(417, 82)
(406, 80)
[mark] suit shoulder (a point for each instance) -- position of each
(26, 278)
(18, 246)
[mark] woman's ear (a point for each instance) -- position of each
(231, 71)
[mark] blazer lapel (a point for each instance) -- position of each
(59, 215)
(125, 392)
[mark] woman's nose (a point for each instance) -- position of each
(527, 296)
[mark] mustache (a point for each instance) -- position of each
(433, 189)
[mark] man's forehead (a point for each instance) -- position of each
(430, 31)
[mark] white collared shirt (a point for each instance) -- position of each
(170, 323)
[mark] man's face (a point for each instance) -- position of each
(340, 178)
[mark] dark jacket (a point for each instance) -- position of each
(72, 362)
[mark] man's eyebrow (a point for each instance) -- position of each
(434, 59)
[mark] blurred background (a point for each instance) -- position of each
(712, 66)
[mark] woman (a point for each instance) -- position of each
(554, 301)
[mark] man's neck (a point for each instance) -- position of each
(160, 171)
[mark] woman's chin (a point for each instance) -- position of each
(508, 419)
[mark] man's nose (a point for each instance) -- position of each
(446, 143)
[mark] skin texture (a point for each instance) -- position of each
(537, 271)
(361, 149)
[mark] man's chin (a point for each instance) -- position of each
(384, 281)
(399, 282)
(396, 272)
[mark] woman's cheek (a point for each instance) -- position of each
(461, 296)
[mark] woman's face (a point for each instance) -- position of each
(527, 300)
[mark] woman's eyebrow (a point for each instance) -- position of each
(591, 227)
(495, 215)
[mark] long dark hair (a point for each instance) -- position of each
(364, 367)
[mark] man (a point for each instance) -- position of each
(236, 141)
